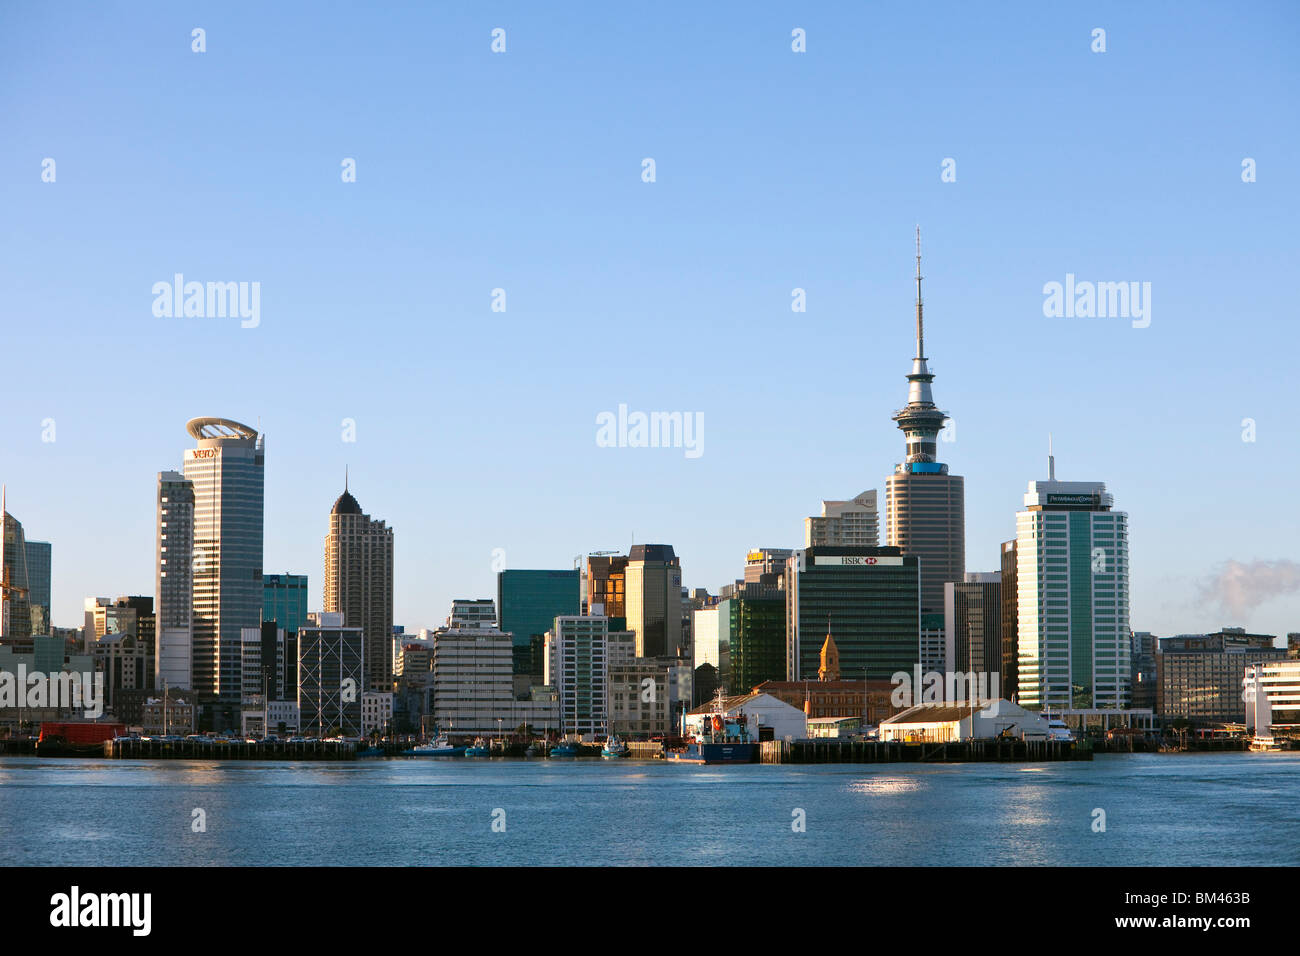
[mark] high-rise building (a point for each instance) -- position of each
(606, 592)
(577, 666)
(15, 607)
(1010, 642)
(926, 509)
(227, 471)
(472, 680)
(654, 600)
(868, 597)
(529, 602)
(1199, 677)
(761, 561)
(1142, 670)
(359, 583)
(174, 583)
(329, 653)
(973, 626)
(285, 600)
(1072, 579)
(39, 555)
(849, 524)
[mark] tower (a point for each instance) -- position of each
(227, 472)
(830, 658)
(359, 583)
(926, 505)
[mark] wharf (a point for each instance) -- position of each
(833, 750)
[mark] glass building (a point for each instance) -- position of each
(227, 473)
(284, 600)
(528, 602)
(38, 584)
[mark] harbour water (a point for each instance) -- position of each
(1160, 810)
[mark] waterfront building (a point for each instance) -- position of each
(952, 722)
(39, 555)
(869, 596)
(331, 675)
(472, 685)
(15, 607)
(1072, 590)
(174, 582)
(844, 524)
(227, 472)
(645, 696)
(1010, 669)
(577, 666)
(973, 625)
(1199, 676)
(1272, 697)
(766, 717)
(285, 600)
(870, 700)
(925, 514)
(529, 602)
(359, 583)
(179, 717)
(654, 600)
(376, 712)
(1142, 670)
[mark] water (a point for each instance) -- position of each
(1161, 809)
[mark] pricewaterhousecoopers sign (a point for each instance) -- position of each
(1071, 499)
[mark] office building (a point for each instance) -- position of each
(359, 583)
(973, 626)
(1142, 670)
(472, 686)
(226, 471)
(767, 561)
(606, 588)
(577, 666)
(925, 514)
(1010, 634)
(1072, 590)
(869, 598)
(848, 524)
(477, 612)
(39, 559)
(15, 608)
(1272, 693)
(654, 600)
(174, 582)
(529, 602)
(331, 675)
(1199, 676)
(285, 600)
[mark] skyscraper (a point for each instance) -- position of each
(38, 583)
(174, 583)
(284, 600)
(529, 602)
(227, 472)
(926, 505)
(654, 600)
(15, 609)
(359, 583)
(1072, 597)
(973, 626)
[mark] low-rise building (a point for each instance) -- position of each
(947, 723)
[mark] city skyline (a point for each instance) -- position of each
(392, 277)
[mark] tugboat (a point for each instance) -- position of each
(614, 748)
(721, 739)
(479, 749)
(440, 746)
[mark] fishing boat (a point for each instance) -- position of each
(720, 738)
(478, 749)
(439, 746)
(614, 748)
(564, 749)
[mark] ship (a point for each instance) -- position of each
(614, 748)
(440, 746)
(721, 738)
(479, 749)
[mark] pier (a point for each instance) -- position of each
(961, 751)
(135, 748)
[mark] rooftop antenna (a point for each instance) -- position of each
(1051, 459)
(920, 326)
(345, 479)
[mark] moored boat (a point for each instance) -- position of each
(614, 748)
(478, 749)
(440, 746)
(721, 738)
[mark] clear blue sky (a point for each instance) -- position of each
(775, 170)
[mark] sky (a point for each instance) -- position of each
(1024, 155)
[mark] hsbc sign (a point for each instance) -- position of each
(856, 560)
